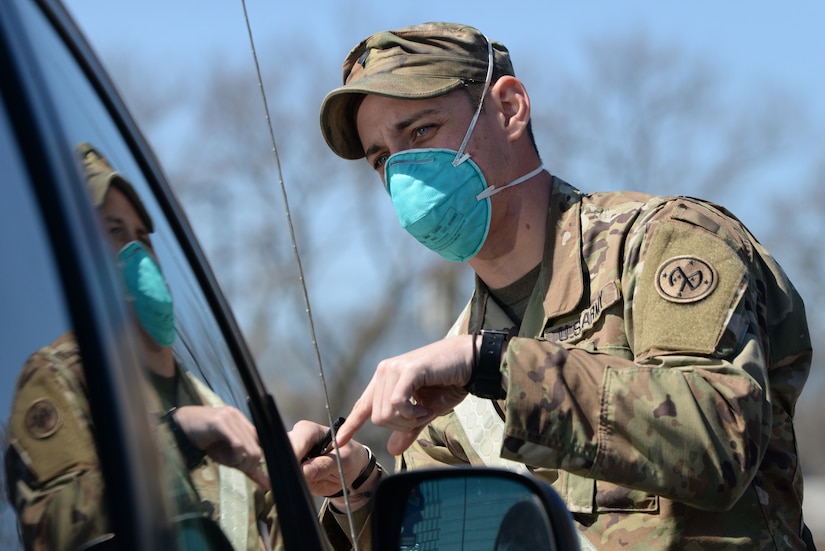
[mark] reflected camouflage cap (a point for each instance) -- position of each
(416, 62)
(100, 176)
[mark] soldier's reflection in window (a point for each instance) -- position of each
(211, 451)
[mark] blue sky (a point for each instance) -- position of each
(755, 39)
(751, 43)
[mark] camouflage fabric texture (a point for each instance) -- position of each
(654, 377)
(53, 471)
(211, 489)
(337, 527)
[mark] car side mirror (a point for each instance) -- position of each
(469, 508)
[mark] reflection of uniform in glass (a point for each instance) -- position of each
(53, 471)
(413, 514)
(523, 528)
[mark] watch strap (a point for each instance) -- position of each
(365, 473)
(485, 380)
(191, 454)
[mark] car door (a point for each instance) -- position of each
(60, 281)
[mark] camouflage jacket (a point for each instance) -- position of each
(653, 379)
(54, 475)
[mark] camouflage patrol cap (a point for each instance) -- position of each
(100, 176)
(416, 62)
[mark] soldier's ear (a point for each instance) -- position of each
(509, 96)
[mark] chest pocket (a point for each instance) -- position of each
(599, 326)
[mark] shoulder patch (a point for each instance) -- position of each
(690, 283)
(50, 425)
(685, 279)
(42, 418)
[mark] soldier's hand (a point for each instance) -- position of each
(321, 473)
(408, 391)
(227, 436)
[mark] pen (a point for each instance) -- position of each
(325, 444)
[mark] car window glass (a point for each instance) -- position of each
(200, 344)
(30, 292)
(199, 347)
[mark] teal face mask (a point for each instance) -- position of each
(436, 201)
(148, 291)
(442, 199)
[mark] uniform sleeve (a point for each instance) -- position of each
(689, 417)
(337, 528)
(51, 463)
(440, 444)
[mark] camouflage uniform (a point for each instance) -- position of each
(656, 369)
(54, 474)
(52, 470)
(653, 379)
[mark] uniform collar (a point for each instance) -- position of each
(562, 253)
(560, 283)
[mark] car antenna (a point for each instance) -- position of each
(300, 273)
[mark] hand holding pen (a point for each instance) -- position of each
(324, 445)
(361, 471)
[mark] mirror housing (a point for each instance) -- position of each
(470, 508)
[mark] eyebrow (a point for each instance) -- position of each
(112, 219)
(401, 126)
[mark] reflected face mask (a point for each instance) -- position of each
(148, 291)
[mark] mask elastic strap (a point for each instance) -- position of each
(492, 190)
(460, 156)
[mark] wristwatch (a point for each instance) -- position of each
(191, 454)
(485, 380)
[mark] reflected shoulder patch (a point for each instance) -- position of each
(42, 419)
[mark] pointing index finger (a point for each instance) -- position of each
(355, 420)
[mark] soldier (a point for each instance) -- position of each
(644, 354)
(54, 475)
